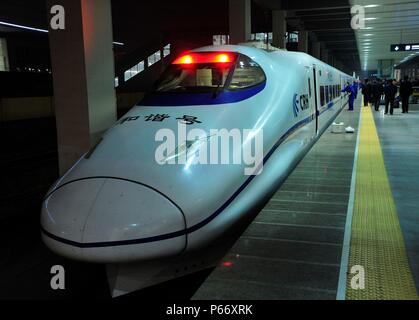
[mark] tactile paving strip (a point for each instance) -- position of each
(376, 240)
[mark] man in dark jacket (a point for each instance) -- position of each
(366, 91)
(376, 92)
(390, 91)
(355, 88)
(405, 91)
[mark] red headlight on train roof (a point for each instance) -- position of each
(205, 57)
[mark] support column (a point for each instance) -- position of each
(316, 49)
(279, 28)
(239, 21)
(83, 75)
(338, 65)
(324, 54)
(4, 57)
(331, 60)
(303, 41)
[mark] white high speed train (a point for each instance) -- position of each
(119, 206)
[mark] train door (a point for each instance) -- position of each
(315, 91)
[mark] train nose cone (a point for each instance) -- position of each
(111, 221)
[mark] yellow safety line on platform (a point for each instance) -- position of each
(377, 242)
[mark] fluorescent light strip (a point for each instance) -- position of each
(19, 26)
(22, 27)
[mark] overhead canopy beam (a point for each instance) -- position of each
(328, 22)
(303, 5)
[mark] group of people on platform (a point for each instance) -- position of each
(374, 91)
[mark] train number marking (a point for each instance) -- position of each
(156, 117)
(188, 119)
(185, 119)
(128, 119)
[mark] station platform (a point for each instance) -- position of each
(351, 201)
(335, 211)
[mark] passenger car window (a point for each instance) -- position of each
(322, 95)
(327, 94)
(309, 87)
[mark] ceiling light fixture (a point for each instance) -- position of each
(19, 26)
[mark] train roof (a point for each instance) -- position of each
(255, 50)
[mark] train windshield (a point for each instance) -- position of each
(210, 72)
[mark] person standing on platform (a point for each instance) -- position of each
(366, 91)
(355, 89)
(390, 91)
(405, 91)
(376, 92)
(349, 89)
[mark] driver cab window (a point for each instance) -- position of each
(247, 73)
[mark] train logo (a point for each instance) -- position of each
(300, 103)
(304, 102)
(295, 104)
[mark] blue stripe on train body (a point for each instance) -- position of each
(200, 99)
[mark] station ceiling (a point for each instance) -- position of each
(394, 21)
(387, 22)
(328, 22)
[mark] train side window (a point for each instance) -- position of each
(247, 73)
(327, 94)
(309, 87)
(321, 95)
